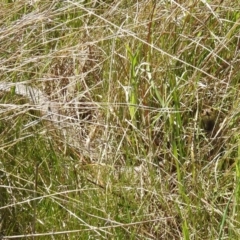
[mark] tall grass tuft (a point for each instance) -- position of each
(119, 119)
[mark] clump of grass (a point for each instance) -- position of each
(125, 155)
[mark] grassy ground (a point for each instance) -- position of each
(137, 158)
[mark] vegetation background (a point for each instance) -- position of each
(132, 160)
